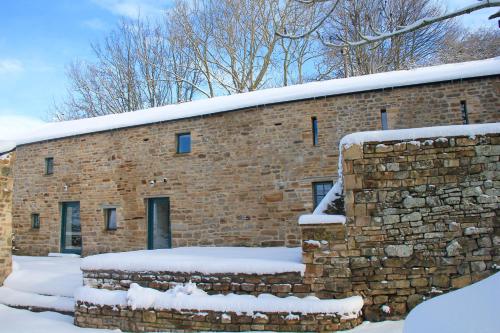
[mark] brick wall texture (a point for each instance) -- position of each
(248, 178)
(423, 218)
(5, 215)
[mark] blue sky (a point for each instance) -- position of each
(38, 38)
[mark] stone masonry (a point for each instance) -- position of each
(247, 179)
(423, 218)
(280, 284)
(149, 320)
(5, 215)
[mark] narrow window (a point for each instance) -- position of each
(49, 165)
(383, 117)
(314, 122)
(35, 221)
(463, 110)
(183, 143)
(320, 189)
(110, 218)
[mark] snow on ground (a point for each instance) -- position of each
(207, 260)
(381, 327)
(188, 296)
(265, 97)
(473, 309)
(56, 276)
(43, 282)
(23, 299)
(24, 321)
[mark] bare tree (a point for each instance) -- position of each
(475, 45)
(376, 35)
(354, 18)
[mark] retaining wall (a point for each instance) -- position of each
(126, 319)
(282, 284)
(422, 219)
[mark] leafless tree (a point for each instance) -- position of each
(375, 35)
(354, 18)
(481, 44)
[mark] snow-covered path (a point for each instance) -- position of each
(42, 282)
(24, 321)
(55, 276)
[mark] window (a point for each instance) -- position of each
(314, 122)
(320, 190)
(463, 110)
(49, 165)
(35, 221)
(110, 218)
(383, 117)
(183, 143)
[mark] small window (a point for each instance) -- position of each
(314, 123)
(463, 110)
(383, 117)
(320, 190)
(110, 218)
(183, 143)
(49, 165)
(35, 221)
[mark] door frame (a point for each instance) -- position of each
(150, 236)
(63, 227)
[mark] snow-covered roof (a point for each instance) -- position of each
(310, 90)
(6, 146)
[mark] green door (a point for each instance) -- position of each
(159, 235)
(71, 231)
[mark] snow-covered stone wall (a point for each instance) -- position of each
(5, 215)
(422, 219)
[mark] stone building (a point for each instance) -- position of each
(5, 215)
(235, 170)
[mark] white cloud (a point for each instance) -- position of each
(13, 127)
(133, 8)
(10, 66)
(95, 24)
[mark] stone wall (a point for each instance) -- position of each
(5, 215)
(281, 285)
(126, 319)
(423, 218)
(246, 181)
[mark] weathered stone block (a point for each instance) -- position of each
(399, 250)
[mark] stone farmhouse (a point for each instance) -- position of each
(235, 170)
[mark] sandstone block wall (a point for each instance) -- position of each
(281, 284)
(5, 215)
(246, 181)
(423, 218)
(126, 319)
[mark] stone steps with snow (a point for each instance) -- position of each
(223, 270)
(36, 302)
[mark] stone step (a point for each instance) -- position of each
(36, 302)
(279, 284)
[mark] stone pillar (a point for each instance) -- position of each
(5, 215)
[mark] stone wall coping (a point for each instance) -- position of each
(321, 219)
(472, 131)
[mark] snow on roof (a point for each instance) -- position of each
(419, 133)
(6, 146)
(265, 97)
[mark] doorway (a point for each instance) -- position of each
(159, 233)
(71, 231)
